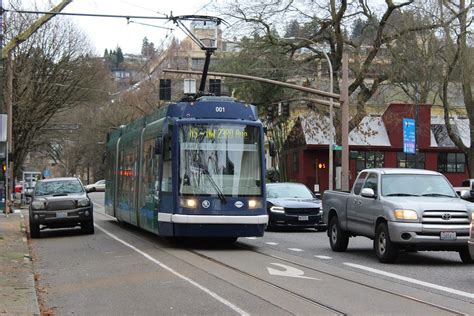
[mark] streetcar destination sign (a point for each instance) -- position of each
(220, 132)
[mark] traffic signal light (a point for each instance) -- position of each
(285, 109)
(270, 114)
(322, 165)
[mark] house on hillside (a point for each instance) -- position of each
(187, 55)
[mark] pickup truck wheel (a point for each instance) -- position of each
(384, 248)
(466, 256)
(338, 239)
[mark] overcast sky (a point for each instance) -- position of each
(112, 32)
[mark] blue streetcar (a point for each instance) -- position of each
(193, 168)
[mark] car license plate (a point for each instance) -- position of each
(61, 214)
(303, 218)
(448, 236)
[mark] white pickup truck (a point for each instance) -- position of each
(400, 209)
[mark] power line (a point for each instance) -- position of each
(157, 26)
(128, 17)
(141, 7)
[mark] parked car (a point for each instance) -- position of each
(399, 209)
(471, 238)
(60, 202)
(293, 205)
(99, 186)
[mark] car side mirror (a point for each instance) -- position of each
(465, 195)
(368, 193)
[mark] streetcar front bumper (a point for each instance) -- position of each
(212, 225)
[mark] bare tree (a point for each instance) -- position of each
(459, 65)
(52, 73)
(414, 64)
(327, 22)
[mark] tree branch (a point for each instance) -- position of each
(17, 40)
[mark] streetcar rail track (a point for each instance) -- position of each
(302, 297)
(275, 286)
(355, 282)
(294, 294)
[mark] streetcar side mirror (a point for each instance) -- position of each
(159, 146)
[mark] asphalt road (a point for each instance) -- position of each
(122, 271)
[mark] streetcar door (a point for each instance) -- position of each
(148, 192)
(165, 203)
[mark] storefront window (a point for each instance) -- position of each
(405, 160)
(451, 162)
(369, 159)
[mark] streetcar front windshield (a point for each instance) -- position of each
(220, 159)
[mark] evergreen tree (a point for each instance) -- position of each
(293, 29)
(120, 57)
(145, 46)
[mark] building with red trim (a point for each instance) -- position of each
(376, 142)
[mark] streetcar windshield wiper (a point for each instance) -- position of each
(213, 183)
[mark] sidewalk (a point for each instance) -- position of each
(17, 285)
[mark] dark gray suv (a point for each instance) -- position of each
(60, 202)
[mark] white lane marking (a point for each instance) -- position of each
(271, 243)
(252, 238)
(179, 275)
(415, 281)
(288, 272)
(295, 249)
(323, 257)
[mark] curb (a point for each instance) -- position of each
(17, 283)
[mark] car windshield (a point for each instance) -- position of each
(57, 187)
(416, 185)
(299, 191)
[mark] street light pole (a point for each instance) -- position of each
(331, 115)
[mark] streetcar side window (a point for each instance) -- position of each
(148, 173)
(166, 182)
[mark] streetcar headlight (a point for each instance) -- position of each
(254, 204)
(38, 205)
(405, 214)
(189, 203)
(277, 209)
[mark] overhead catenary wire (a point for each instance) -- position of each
(157, 26)
(88, 14)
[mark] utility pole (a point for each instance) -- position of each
(345, 121)
(2, 110)
(8, 104)
(2, 106)
(416, 125)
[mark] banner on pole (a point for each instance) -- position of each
(3, 127)
(409, 136)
